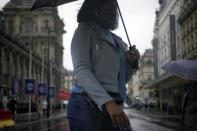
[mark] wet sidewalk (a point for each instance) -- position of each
(162, 115)
(155, 116)
(26, 119)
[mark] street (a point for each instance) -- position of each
(142, 123)
(138, 122)
(59, 124)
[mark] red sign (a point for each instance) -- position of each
(67, 95)
(64, 95)
(61, 94)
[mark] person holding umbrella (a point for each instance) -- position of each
(102, 67)
(187, 70)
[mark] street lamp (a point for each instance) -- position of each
(49, 75)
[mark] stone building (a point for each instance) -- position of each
(133, 85)
(167, 47)
(188, 22)
(69, 80)
(143, 76)
(169, 32)
(21, 26)
(146, 74)
(1, 19)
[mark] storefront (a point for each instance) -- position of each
(171, 92)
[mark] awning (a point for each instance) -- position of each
(166, 80)
(154, 83)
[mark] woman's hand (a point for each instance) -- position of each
(117, 115)
(132, 56)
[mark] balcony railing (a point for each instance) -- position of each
(187, 11)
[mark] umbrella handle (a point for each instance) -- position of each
(130, 46)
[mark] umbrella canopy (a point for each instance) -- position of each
(49, 3)
(54, 3)
(186, 69)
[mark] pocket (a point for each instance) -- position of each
(73, 106)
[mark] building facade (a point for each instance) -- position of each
(188, 23)
(143, 76)
(133, 85)
(69, 80)
(167, 47)
(21, 27)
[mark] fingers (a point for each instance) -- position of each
(117, 115)
(126, 119)
(120, 120)
(113, 118)
(133, 55)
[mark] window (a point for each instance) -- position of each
(10, 26)
(28, 25)
(195, 43)
(46, 24)
(187, 45)
(192, 42)
(149, 77)
(28, 28)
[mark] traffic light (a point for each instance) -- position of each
(137, 97)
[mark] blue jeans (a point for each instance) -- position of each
(82, 117)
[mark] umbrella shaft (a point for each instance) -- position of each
(123, 23)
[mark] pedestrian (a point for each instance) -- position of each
(13, 107)
(39, 108)
(44, 107)
(5, 100)
(102, 66)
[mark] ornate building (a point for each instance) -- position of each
(167, 47)
(69, 80)
(188, 22)
(143, 76)
(21, 27)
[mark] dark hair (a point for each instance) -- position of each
(88, 10)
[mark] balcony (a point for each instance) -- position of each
(187, 11)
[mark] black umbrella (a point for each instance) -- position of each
(55, 3)
(49, 3)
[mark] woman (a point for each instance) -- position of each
(102, 67)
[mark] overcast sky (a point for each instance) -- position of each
(139, 16)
